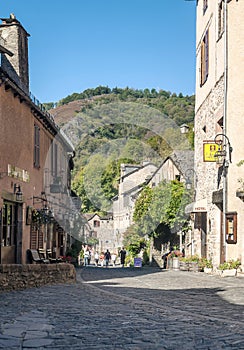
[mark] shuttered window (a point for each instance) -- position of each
(204, 59)
(36, 146)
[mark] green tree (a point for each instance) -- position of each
(162, 204)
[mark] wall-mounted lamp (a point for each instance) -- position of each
(41, 198)
(18, 193)
(223, 154)
(190, 175)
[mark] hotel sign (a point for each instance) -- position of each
(209, 150)
(18, 173)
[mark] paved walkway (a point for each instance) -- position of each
(126, 308)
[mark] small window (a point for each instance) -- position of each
(177, 177)
(231, 228)
(205, 6)
(96, 223)
(204, 59)
(36, 146)
(220, 19)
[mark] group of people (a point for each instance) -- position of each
(104, 258)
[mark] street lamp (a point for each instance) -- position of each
(18, 193)
(223, 154)
(190, 174)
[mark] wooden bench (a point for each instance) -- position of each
(35, 258)
(42, 254)
(51, 259)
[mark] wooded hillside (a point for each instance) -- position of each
(111, 126)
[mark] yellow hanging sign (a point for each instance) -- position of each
(209, 150)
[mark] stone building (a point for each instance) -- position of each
(178, 166)
(35, 160)
(219, 224)
(132, 178)
(101, 228)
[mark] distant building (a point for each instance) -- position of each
(132, 178)
(101, 228)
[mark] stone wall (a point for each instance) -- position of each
(16, 277)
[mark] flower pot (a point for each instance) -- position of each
(208, 270)
(184, 266)
(176, 264)
(228, 273)
(193, 266)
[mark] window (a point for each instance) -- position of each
(177, 177)
(36, 146)
(54, 159)
(9, 224)
(205, 5)
(204, 59)
(231, 228)
(220, 19)
(96, 223)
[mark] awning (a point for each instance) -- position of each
(196, 207)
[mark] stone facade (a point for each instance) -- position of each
(16, 277)
(219, 110)
(131, 180)
(101, 228)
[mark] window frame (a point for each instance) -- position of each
(36, 146)
(231, 227)
(204, 71)
(205, 6)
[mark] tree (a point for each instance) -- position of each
(163, 204)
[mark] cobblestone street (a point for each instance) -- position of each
(128, 308)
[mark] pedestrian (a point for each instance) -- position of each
(113, 258)
(107, 257)
(86, 257)
(102, 258)
(122, 254)
(96, 257)
(89, 256)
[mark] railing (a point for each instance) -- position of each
(41, 107)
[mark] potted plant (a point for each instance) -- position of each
(184, 264)
(173, 259)
(194, 263)
(206, 265)
(229, 268)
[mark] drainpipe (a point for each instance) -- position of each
(224, 126)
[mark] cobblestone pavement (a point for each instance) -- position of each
(126, 308)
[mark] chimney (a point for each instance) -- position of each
(16, 41)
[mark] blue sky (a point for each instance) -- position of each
(80, 44)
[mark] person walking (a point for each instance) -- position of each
(96, 257)
(107, 257)
(86, 257)
(122, 254)
(113, 258)
(102, 258)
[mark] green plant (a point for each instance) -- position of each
(228, 265)
(204, 262)
(129, 260)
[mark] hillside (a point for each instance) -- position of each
(108, 127)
